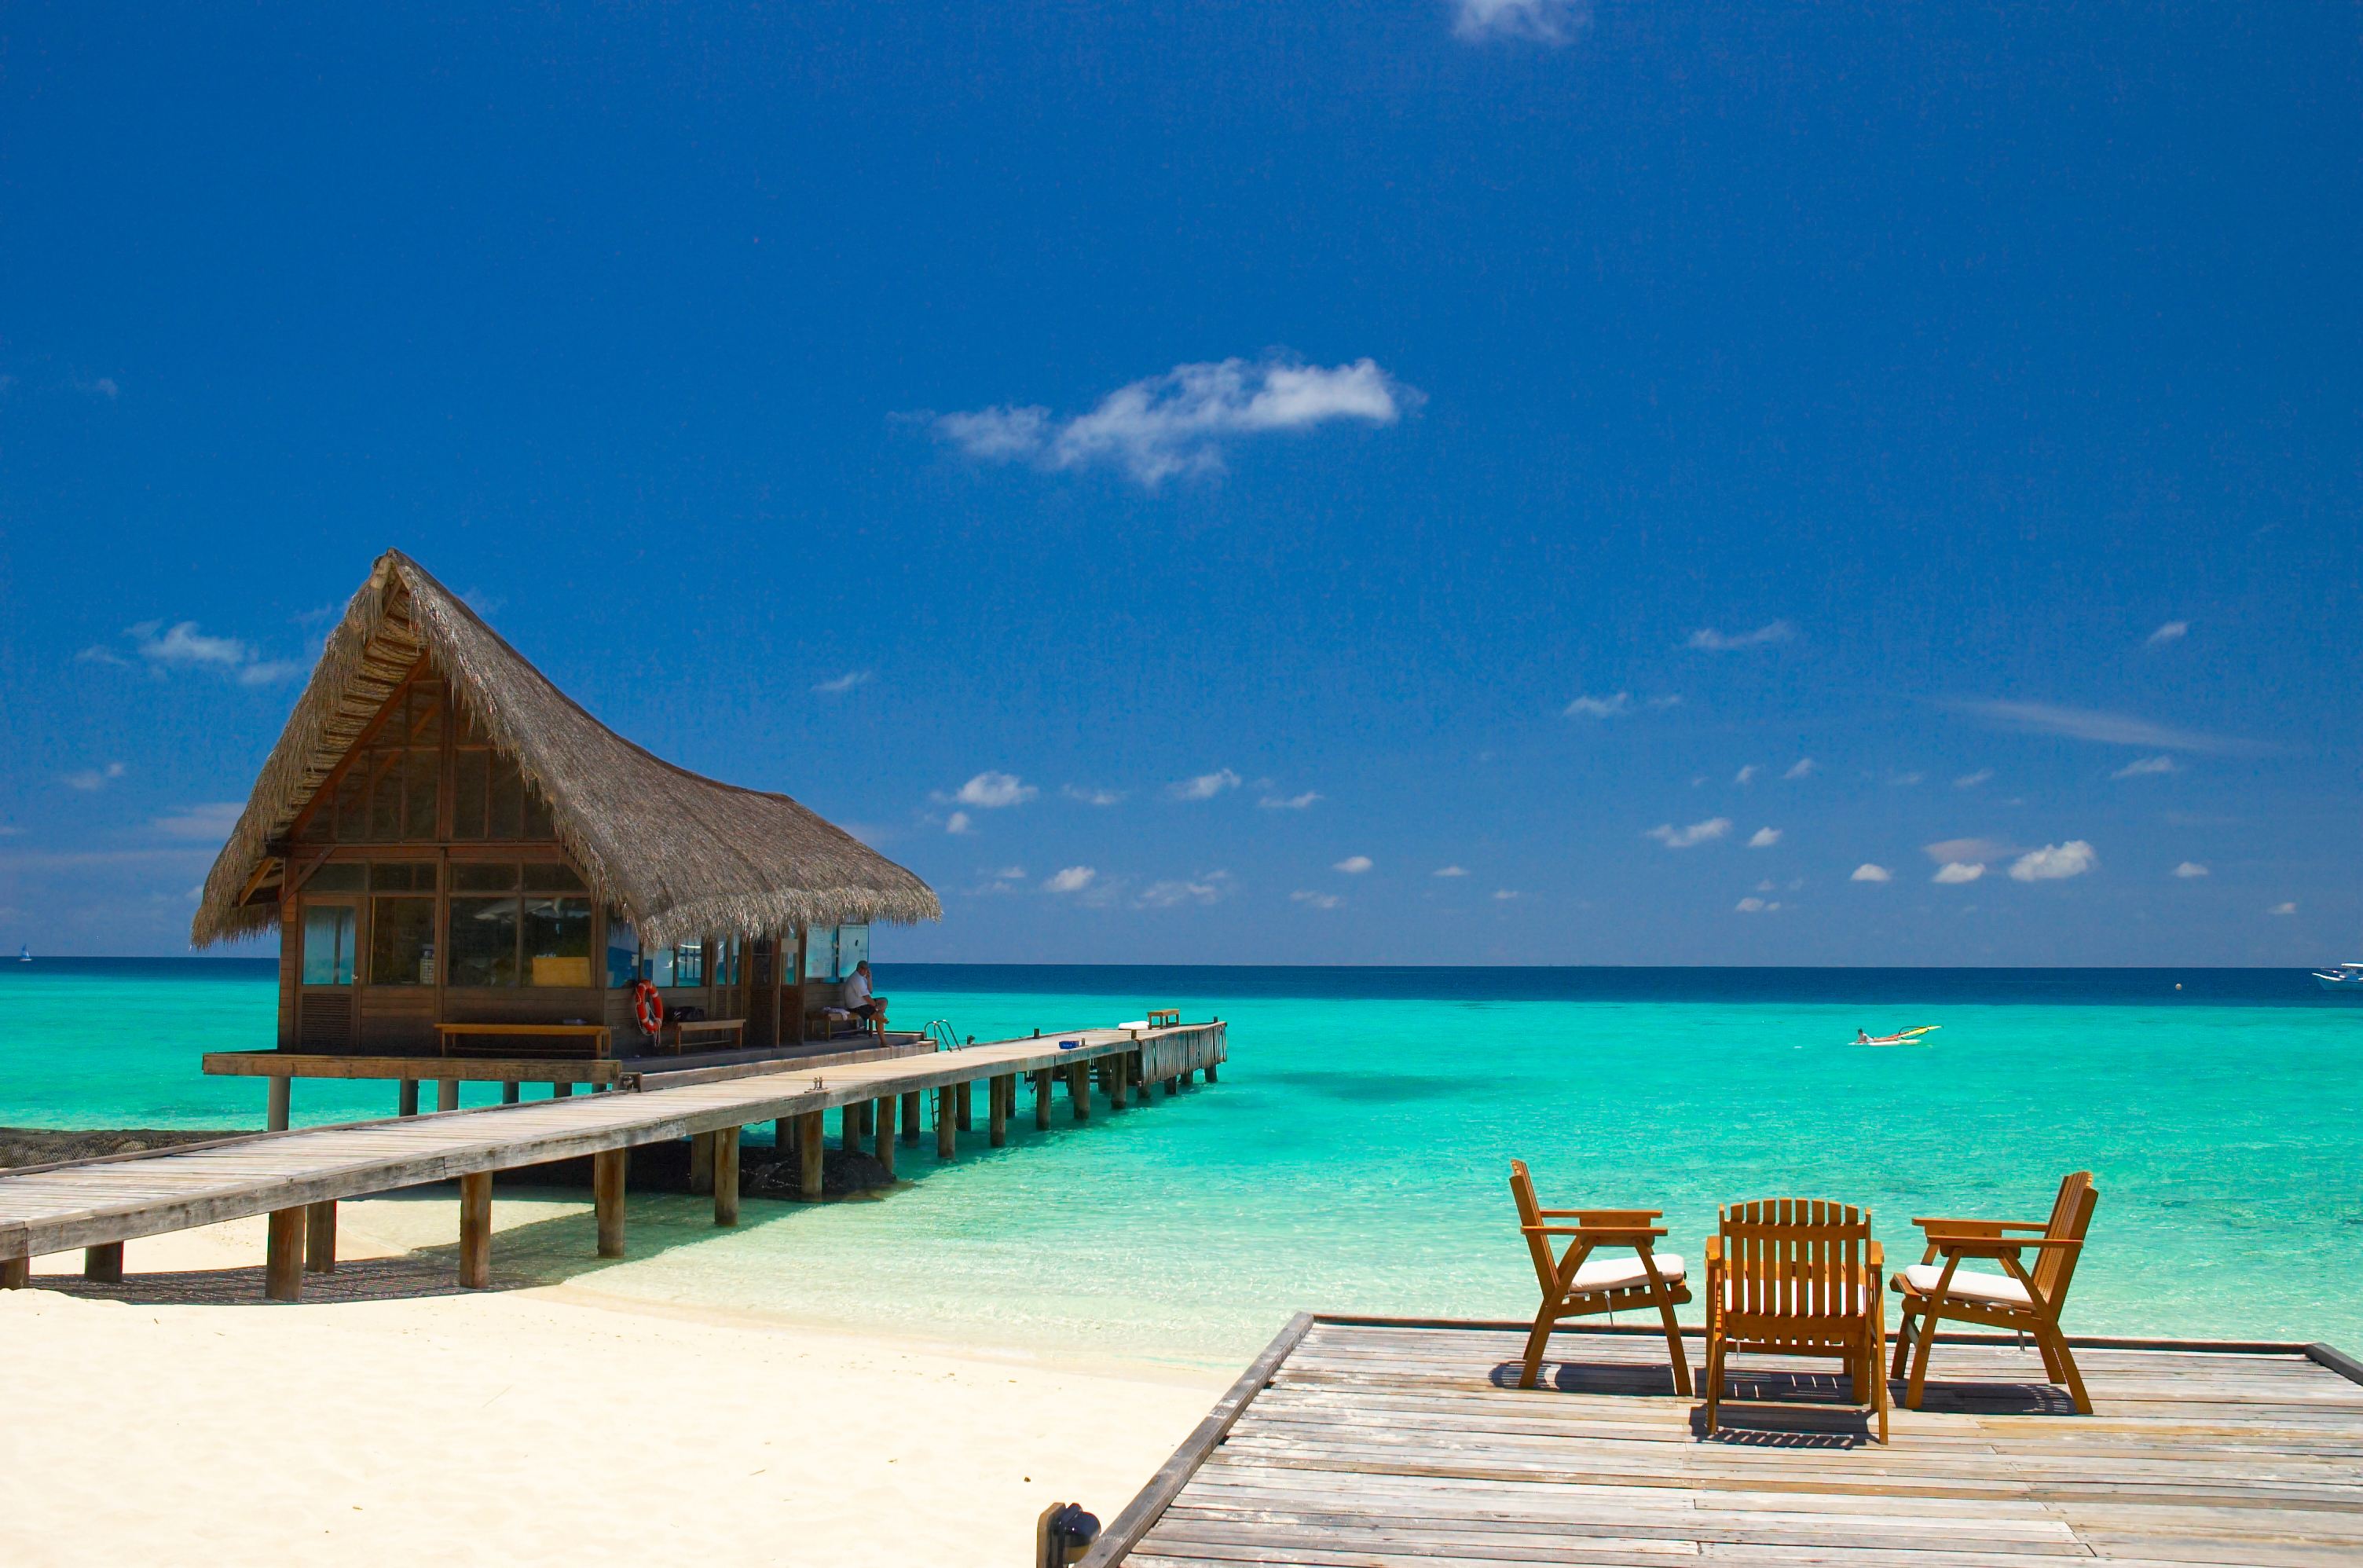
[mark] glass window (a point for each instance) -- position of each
(852, 947)
(551, 877)
(725, 961)
(477, 876)
(471, 785)
(329, 944)
(402, 876)
(689, 964)
(658, 966)
(558, 941)
(352, 803)
(622, 952)
(420, 774)
(820, 953)
(507, 814)
(402, 940)
(385, 796)
(483, 941)
(336, 876)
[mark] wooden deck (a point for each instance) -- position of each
(99, 1204)
(1369, 1444)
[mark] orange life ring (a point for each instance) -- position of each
(648, 1006)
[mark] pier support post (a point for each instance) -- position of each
(103, 1263)
(282, 1094)
(726, 1175)
(1042, 1100)
(947, 1125)
(15, 1273)
(561, 1090)
(447, 1093)
(1079, 1089)
(1172, 1087)
(885, 1141)
(321, 1236)
(407, 1104)
(911, 1117)
(808, 1154)
(1210, 1071)
(850, 1128)
(283, 1256)
(783, 1136)
(608, 1168)
(1119, 1082)
(998, 1093)
(511, 1092)
(475, 1230)
(963, 1107)
(701, 1162)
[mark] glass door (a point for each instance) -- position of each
(323, 1008)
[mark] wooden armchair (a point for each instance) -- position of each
(1797, 1277)
(2014, 1299)
(1574, 1284)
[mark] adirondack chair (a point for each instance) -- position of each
(1576, 1285)
(2015, 1299)
(1797, 1277)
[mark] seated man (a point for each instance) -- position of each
(857, 999)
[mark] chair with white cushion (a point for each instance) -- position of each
(1577, 1284)
(2025, 1302)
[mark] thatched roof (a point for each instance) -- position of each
(680, 853)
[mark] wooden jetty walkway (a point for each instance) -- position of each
(1372, 1444)
(297, 1177)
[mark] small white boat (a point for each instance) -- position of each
(24, 953)
(2346, 977)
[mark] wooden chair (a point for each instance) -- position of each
(1576, 1285)
(1797, 1277)
(2014, 1299)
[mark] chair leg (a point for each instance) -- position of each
(2051, 1369)
(1903, 1333)
(1682, 1359)
(1873, 1358)
(1912, 1390)
(1714, 1380)
(1536, 1342)
(2075, 1381)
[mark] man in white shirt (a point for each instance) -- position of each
(857, 999)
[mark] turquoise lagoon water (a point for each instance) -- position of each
(1354, 1156)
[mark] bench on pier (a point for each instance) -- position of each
(596, 1041)
(823, 1023)
(677, 1032)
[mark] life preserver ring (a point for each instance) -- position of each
(649, 1008)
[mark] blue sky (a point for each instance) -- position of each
(1238, 482)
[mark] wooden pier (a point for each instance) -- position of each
(297, 1177)
(1372, 1444)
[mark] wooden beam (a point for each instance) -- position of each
(884, 1142)
(468, 1070)
(510, 1092)
(808, 1154)
(1079, 1089)
(15, 1273)
(1210, 1071)
(447, 1093)
(963, 1112)
(1042, 1101)
(999, 1092)
(407, 1103)
(282, 1257)
(849, 1132)
(608, 1168)
(320, 1237)
(1119, 1073)
(911, 1117)
(275, 1118)
(103, 1263)
(476, 1231)
(701, 1162)
(946, 1134)
(726, 1175)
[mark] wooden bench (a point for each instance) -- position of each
(599, 1038)
(674, 1033)
(1164, 1017)
(819, 1025)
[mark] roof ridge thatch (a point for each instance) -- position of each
(681, 853)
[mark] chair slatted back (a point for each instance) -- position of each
(1797, 1272)
(2071, 1217)
(1530, 1215)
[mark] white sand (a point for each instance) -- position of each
(532, 1426)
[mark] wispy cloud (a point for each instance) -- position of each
(1754, 905)
(211, 821)
(1534, 21)
(958, 822)
(1290, 802)
(2190, 869)
(1504, 894)
(1869, 873)
(98, 386)
(1182, 421)
(99, 653)
(1956, 871)
(1971, 781)
(1675, 837)
(1746, 774)
(1353, 865)
(1316, 900)
(1074, 878)
(2107, 729)
(2288, 908)
(2172, 631)
(1709, 640)
(1447, 871)
(844, 682)
(2054, 863)
(181, 647)
(994, 791)
(1764, 837)
(1969, 850)
(94, 778)
(1211, 888)
(1093, 795)
(1599, 708)
(1205, 787)
(1802, 768)
(2145, 767)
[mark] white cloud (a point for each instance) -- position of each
(211, 821)
(2172, 631)
(1537, 21)
(1905, 780)
(1211, 888)
(1802, 768)
(1316, 900)
(1090, 795)
(1074, 878)
(1764, 837)
(1746, 774)
(1675, 837)
(1504, 894)
(98, 653)
(1447, 871)
(958, 823)
(1353, 865)
(992, 791)
(1952, 872)
(2054, 862)
(1869, 873)
(2191, 868)
(1971, 781)
(184, 647)
(1969, 850)
(1205, 787)
(98, 386)
(1599, 708)
(2282, 909)
(94, 778)
(268, 672)
(1290, 802)
(2144, 767)
(1755, 907)
(844, 682)
(2107, 729)
(1714, 641)
(1180, 422)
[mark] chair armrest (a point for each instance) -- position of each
(1985, 1225)
(1713, 1251)
(1601, 1235)
(1993, 1246)
(1878, 1256)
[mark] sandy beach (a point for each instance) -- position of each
(390, 1419)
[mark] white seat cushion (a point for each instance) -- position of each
(1623, 1273)
(1995, 1290)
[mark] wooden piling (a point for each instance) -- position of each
(808, 1154)
(1119, 1082)
(999, 1092)
(1042, 1100)
(726, 1175)
(963, 1109)
(1210, 1071)
(475, 1230)
(511, 1092)
(849, 1129)
(783, 1136)
(407, 1104)
(561, 1090)
(283, 1256)
(608, 1168)
(1079, 1089)
(282, 1094)
(105, 1262)
(701, 1162)
(1172, 1087)
(947, 1125)
(321, 1236)
(447, 1093)
(883, 1143)
(911, 1117)
(15, 1273)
